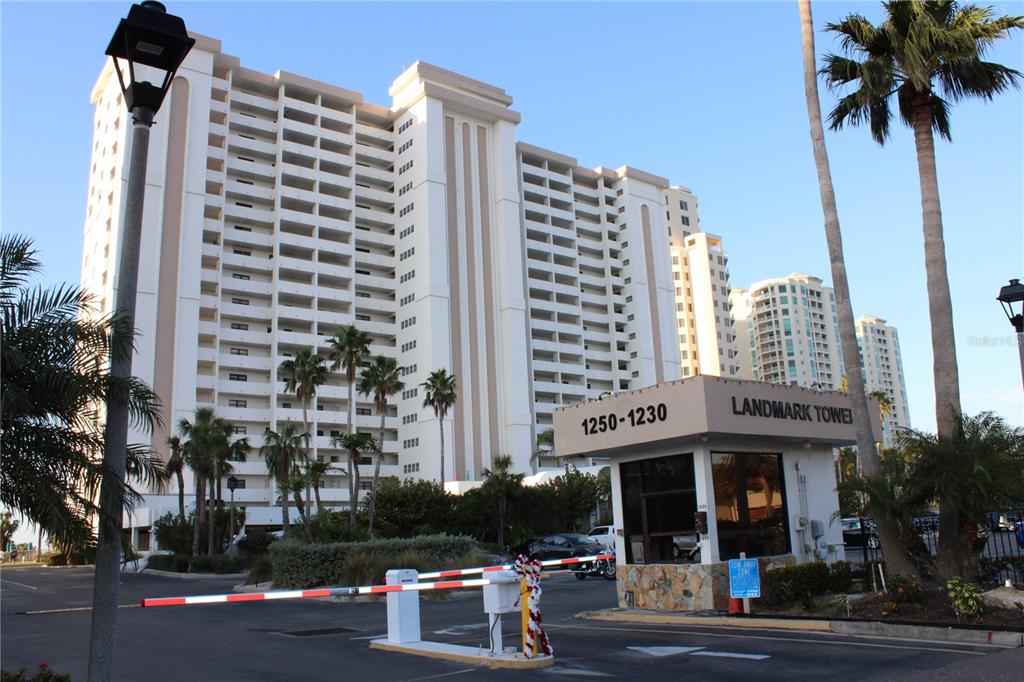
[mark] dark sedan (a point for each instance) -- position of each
(564, 546)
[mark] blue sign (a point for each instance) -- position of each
(744, 580)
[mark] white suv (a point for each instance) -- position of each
(605, 535)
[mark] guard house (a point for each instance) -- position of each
(705, 468)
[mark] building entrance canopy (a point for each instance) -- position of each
(704, 469)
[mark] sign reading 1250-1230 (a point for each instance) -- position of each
(638, 416)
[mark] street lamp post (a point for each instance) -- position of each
(232, 484)
(153, 44)
(1011, 297)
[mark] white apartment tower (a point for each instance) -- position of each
(787, 331)
(279, 209)
(883, 370)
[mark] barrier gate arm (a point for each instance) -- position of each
(351, 591)
(508, 567)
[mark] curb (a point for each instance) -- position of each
(192, 576)
(935, 633)
(464, 654)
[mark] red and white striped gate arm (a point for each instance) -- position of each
(365, 589)
(508, 567)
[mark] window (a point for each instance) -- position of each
(237, 403)
(405, 126)
(405, 146)
(410, 443)
(410, 468)
(407, 276)
(404, 167)
(239, 430)
(241, 228)
(407, 231)
(684, 205)
(406, 300)
(408, 323)
(239, 351)
(362, 318)
(406, 371)
(686, 220)
(659, 498)
(240, 301)
(363, 411)
(404, 188)
(750, 504)
(238, 377)
(406, 347)
(405, 210)
(241, 326)
(410, 418)
(238, 275)
(286, 406)
(410, 393)
(408, 253)
(241, 252)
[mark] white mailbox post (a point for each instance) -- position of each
(403, 607)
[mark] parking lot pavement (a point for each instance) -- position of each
(44, 617)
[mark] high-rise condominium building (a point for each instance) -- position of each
(787, 332)
(279, 209)
(883, 370)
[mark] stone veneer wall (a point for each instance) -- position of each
(682, 587)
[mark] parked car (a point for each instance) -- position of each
(686, 546)
(603, 534)
(1003, 520)
(564, 546)
(854, 534)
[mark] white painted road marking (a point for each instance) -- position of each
(728, 654)
(19, 584)
(665, 650)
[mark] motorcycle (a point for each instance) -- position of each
(604, 568)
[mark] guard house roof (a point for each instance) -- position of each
(705, 406)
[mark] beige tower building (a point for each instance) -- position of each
(279, 209)
(883, 370)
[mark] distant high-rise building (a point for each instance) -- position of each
(787, 332)
(883, 370)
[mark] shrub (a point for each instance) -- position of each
(72, 557)
(840, 577)
(261, 571)
(177, 563)
(42, 674)
(217, 563)
(299, 564)
(797, 583)
(174, 533)
(256, 544)
(965, 598)
(903, 589)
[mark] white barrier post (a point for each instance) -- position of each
(499, 597)
(403, 607)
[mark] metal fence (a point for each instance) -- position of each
(999, 542)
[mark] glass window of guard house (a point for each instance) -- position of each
(750, 504)
(659, 501)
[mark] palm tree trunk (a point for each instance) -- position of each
(211, 538)
(305, 429)
(376, 468)
(197, 518)
(954, 552)
(181, 494)
(353, 466)
(301, 506)
(316, 493)
(888, 532)
(440, 425)
(285, 487)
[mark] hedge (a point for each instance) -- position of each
(300, 564)
(178, 563)
(217, 563)
(803, 582)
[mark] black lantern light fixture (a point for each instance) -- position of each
(153, 38)
(1011, 297)
(232, 483)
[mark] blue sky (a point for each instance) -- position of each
(709, 95)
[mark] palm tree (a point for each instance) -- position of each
(350, 347)
(302, 375)
(357, 445)
(888, 531)
(175, 466)
(504, 484)
(440, 396)
(923, 49)
(54, 348)
(203, 434)
(280, 451)
(382, 380)
(545, 446)
(315, 471)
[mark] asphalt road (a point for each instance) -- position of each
(44, 618)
